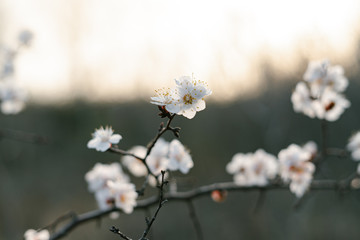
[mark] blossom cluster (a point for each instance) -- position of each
(185, 99)
(111, 187)
(293, 165)
(320, 94)
(354, 147)
(12, 94)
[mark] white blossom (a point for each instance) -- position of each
(124, 195)
(321, 75)
(158, 158)
(179, 157)
(331, 105)
(104, 198)
(253, 169)
(302, 101)
(101, 173)
(13, 96)
(32, 234)
(168, 98)
(103, 139)
(354, 146)
(296, 168)
(191, 96)
(134, 165)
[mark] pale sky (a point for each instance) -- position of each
(123, 49)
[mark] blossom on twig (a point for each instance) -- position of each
(179, 157)
(124, 195)
(103, 139)
(134, 165)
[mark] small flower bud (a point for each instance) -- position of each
(219, 195)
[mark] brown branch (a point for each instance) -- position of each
(117, 231)
(316, 185)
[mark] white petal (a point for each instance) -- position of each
(93, 143)
(103, 146)
(115, 139)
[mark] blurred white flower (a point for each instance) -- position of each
(32, 234)
(158, 159)
(253, 169)
(134, 165)
(321, 75)
(167, 97)
(13, 96)
(7, 62)
(354, 146)
(296, 168)
(331, 105)
(302, 101)
(179, 157)
(104, 198)
(124, 195)
(25, 37)
(103, 139)
(101, 173)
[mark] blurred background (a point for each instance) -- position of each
(95, 63)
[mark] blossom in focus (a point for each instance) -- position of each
(296, 168)
(158, 159)
(354, 146)
(186, 99)
(124, 195)
(179, 157)
(103, 139)
(167, 97)
(134, 165)
(102, 173)
(253, 169)
(321, 75)
(330, 106)
(13, 97)
(32, 234)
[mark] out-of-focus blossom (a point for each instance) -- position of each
(7, 63)
(253, 169)
(186, 99)
(321, 75)
(179, 157)
(103, 139)
(134, 165)
(302, 101)
(32, 234)
(320, 95)
(124, 195)
(296, 168)
(158, 159)
(354, 146)
(25, 37)
(101, 173)
(330, 106)
(13, 96)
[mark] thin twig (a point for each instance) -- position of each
(117, 231)
(162, 201)
(195, 220)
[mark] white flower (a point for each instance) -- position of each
(331, 105)
(32, 234)
(158, 159)
(253, 169)
(302, 101)
(354, 146)
(321, 75)
(296, 168)
(101, 173)
(179, 157)
(104, 198)
(124, 195)
(103, 139)
(167, 97)
(191, 96)
(13, 97)
(134, 165)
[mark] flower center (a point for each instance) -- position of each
(188, 99)
(122, 198)
(330, 106)
(296, 169)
